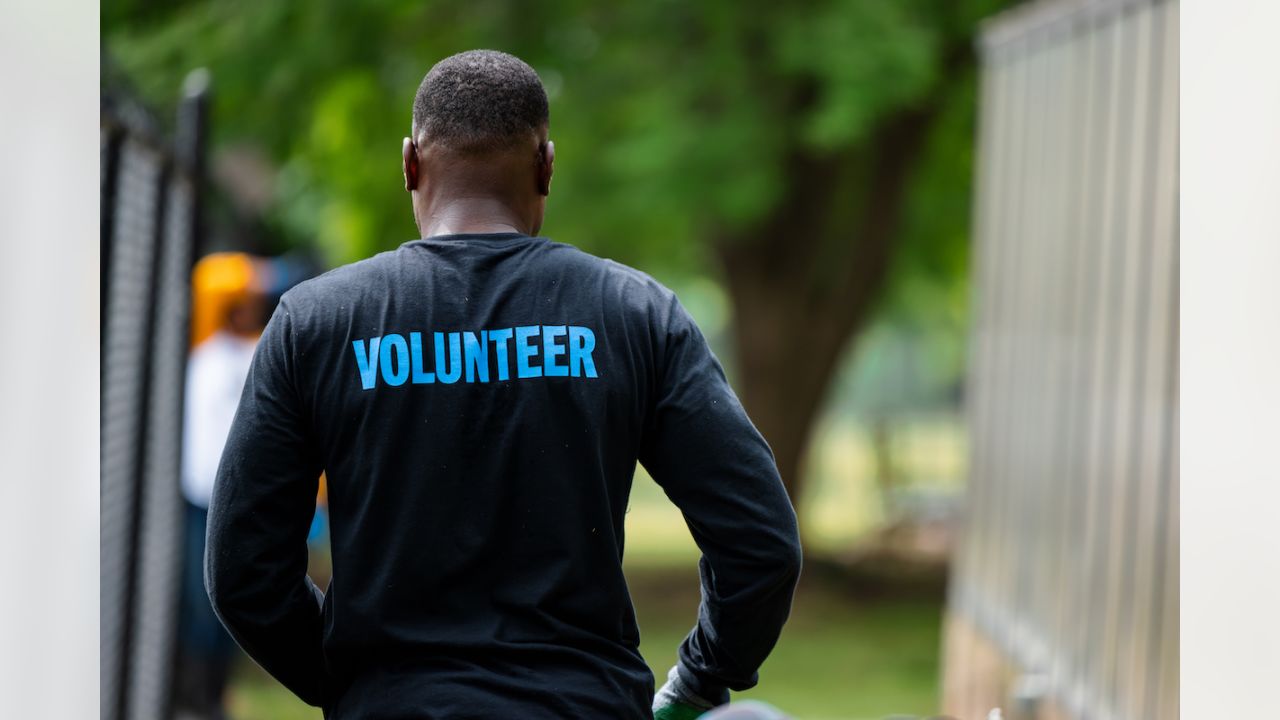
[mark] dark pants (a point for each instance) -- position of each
(205, 650)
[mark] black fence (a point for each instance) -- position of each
(151, 224)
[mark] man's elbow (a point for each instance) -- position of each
(791, 561)
(784, 558)
(222, 583)
(787, 555)
(215, 584)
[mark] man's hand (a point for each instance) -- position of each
(675, 701)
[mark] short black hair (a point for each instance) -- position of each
(479, 100)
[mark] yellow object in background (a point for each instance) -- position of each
(219, 282)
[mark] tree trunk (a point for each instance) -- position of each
(800, 288)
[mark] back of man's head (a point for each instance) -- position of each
(479, 101)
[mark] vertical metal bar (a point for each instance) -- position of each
(109, 167)
(1143, 655)
(1016, 479)
(1162, 652)
(1092, 346)
(141, 623)
(128, 328)
(1131, 251)
(1109, 360)
(989, 529)
(996, 607)
(160, 535)
(1167, 659)
(1135, 593)
(191, 148)
(970, 587)
(997, 253)
(1045, 513)
(1025, 482)
(1012, 372)
(1080, 181)
(965, 566)
(1037, 514)
(1002, 250)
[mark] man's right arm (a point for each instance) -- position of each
(711, 461)
(263, 503)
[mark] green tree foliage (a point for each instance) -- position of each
(828, 139)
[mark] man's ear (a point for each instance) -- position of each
(546, 166)
(409, 150)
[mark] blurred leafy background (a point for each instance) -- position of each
(799, 172)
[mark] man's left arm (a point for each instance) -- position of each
(263, 503)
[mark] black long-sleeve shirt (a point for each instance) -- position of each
(478, 403)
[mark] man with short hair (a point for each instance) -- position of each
(478, 400)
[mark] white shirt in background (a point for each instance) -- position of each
(216, 373)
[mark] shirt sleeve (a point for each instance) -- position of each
(711, 461)
(263, 502)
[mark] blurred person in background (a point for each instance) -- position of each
(228, 315)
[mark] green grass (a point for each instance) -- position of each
(839, 657)
(254, 695)
(841, 502)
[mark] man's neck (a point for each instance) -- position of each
(466, 215)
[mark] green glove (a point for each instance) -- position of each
(677, 711)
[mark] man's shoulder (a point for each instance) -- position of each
(632, 283)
